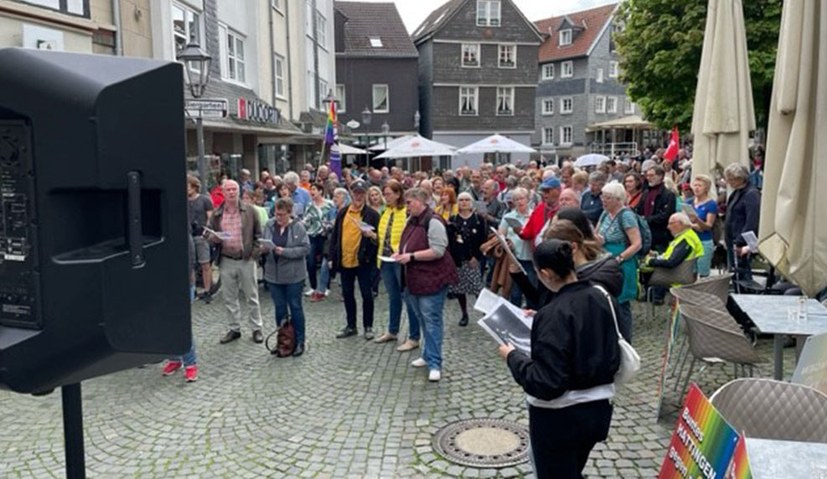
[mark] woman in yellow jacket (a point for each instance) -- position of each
(391, 224)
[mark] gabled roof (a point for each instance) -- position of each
(366, 22)
(592, 23)
(436, 19)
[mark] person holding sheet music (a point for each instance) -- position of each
(467, 231)
(569, 377)
(742, 215)
(521, 248)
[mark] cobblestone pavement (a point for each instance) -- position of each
(348, 408)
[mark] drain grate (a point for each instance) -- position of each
(483, 443)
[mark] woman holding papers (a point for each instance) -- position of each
(706, 212)
(391, 224)
(569, 378)
(522, 249)
(467, 231)
(285, 268)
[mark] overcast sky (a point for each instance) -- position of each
(413, 12)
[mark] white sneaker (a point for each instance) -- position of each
(418, 363)
(309, 292)
(434, 375)
(327, 292)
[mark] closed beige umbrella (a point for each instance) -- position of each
(793, 231)
(723, 115)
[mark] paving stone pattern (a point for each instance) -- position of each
(348, 408)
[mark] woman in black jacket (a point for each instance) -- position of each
(569, 378)
(467, 231)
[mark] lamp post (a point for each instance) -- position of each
(197, 74)
(367, 116)
(327, 101)
(417, 119)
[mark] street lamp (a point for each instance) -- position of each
(385, 130)
(367, 116)
(197, 74)
(417, 118)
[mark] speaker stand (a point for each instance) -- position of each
(73, 431)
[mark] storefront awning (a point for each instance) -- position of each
(632, 122)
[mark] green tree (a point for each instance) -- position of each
(660, 50)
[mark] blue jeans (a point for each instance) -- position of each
(289, 295)
(189, 359)
(316, 255)
(364, 274)
(516, 295)
(429, 310)
(391, 277)
(324, 277)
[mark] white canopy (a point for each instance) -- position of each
(496, 144)
(387, 146)
(418, 146)
(350, 150)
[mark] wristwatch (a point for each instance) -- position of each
(619, 258)
(413, 258)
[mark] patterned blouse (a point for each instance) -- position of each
(319, 220)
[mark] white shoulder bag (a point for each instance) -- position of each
(629, 358)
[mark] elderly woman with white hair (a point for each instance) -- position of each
(618, 229)
(467, 231)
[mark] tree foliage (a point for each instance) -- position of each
(660, 50)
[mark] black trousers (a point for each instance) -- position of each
(363, 274)
(561, 439)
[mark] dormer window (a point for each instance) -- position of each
(565, 37)
(376, 42)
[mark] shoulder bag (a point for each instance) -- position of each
(629, 358)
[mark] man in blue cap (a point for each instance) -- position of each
(545, 211)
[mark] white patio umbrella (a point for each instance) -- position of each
(793, 233)
(418, 146)
(723, 114)
(381, 146)
(350, 150)
(496, 144)
(591, 159)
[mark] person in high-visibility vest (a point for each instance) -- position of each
(685, 246)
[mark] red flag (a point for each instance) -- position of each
(674, 143)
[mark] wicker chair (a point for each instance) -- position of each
(712, 343)
(681, 274)
(769, 409)
(715, 285)
(697, 297)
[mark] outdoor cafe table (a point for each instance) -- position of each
(772, 459)
(769, 313)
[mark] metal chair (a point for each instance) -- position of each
(682, 274)
(696, 297)
(712, 343)
(769, 409)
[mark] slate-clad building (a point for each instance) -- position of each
(477, 73)
(376, 68)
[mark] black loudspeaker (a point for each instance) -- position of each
(94, 267)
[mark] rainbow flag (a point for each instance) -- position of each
(703, 443)
(739, 469)
(331, 133)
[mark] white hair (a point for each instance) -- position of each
(614, 190)
(682, 218)
(291, 178)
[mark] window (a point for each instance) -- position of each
(185, 25)
(488, 13)
(323, 92)
(613, 69)
(600, 104)
(341, 95)
(321, 30)
(599, 75)
(565, 37)
(630, 107)
(279, 76)
(565, 135)
(611, 104)
(468, 96)
(470, 55)
(376, 42)
(507, 56)
(381, 102)
(548, 106)
(72, 7)
(566, 105)
(505, 100)
(548, 136)
(234, 59)
(548, 71)
(567, 69)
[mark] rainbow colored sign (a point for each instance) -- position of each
(739, 469)
(703, 443)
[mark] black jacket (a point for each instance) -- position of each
(658, 221)
(742, 214)
(604, 271)
(473, 236)
(573, 345)
(367, 248)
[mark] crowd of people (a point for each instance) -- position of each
(430, 237)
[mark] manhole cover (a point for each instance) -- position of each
(483, 443)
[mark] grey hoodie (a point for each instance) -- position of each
(289, 267)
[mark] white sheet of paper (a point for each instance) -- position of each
(487, 301)
(751, 239)
(508, 251)
(387, 259)
(689, 210)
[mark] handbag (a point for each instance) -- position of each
(285, 340)
(629, 358)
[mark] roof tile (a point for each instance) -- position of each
(591, 21)
(371, 20)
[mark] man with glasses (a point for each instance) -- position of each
(657, 204)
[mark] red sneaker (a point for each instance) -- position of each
(191, 373)
(316, 297)
(170, 367)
